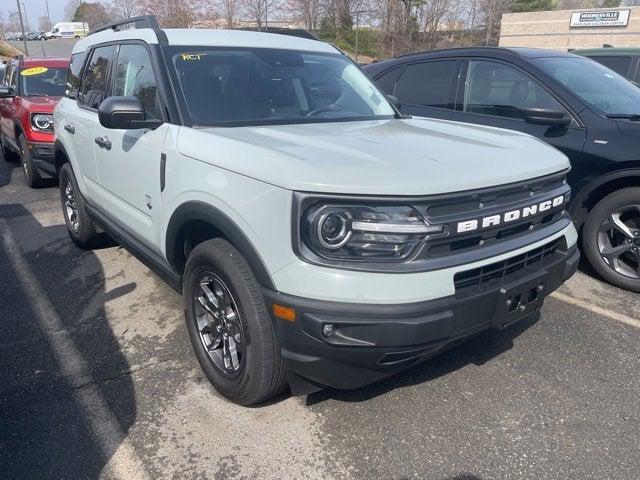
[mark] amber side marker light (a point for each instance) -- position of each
(285, 313)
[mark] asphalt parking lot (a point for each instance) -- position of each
(99, 381)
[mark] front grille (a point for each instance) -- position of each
(496, 273)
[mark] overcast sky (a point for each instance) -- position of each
(35, 9)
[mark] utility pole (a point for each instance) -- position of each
(266, 15)
(24, 35)
(46, 3)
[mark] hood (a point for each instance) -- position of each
(40, 104)
(382, 157)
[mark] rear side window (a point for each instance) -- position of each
(427, 84)
(75, 74)
(95, 81)
(620, 65)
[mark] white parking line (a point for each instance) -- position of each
(618, 317)
(123, 462)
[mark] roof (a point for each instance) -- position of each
(208, 37)
(528, 53)
(607, 52)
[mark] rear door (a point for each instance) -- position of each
(495, 93)
(84, 116)
(129, 166)
(425, 89)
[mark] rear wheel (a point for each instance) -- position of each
(229, 325)
(611, 238)
(31, 173)
(79, 224)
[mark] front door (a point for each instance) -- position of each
(496, 93)
(129, 160)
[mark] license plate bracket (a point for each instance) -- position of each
(520, 299)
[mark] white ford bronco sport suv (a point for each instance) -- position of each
(318, 236)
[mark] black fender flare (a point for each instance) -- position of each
(585, 192)
(58, 147)
(196, 210)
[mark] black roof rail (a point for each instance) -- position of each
(143, 21)
(293, 32)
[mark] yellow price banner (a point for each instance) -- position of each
(33, 71)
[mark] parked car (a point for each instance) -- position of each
(318, 237)
(582, 108)
(624, 61)
(31, 88)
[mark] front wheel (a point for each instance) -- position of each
(229, 325)
(31, 173)
(611, 238)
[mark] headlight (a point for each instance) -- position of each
(42, 122)
(365, 232)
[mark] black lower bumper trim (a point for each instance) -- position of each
(345, 345)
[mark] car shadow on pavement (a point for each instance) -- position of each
(46, 424)
(477, 350)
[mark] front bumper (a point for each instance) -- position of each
(371, 341)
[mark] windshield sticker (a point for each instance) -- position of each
(189, 57)
(33, 71)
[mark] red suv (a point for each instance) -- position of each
(29, 91)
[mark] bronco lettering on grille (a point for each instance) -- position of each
(510, 216)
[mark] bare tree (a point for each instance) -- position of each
(173, 13)
(43, 23)
(307, 11)
(126, 8)
(229, 11)
(70, 9)
(258, 10)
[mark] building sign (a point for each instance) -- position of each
(600, 18)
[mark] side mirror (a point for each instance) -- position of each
(6, 92)
(546, 116)
(124, 113)
(394, 101)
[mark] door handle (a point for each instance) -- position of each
(103, 142)
(70, 128)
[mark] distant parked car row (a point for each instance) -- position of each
(584, 109)
(59, 30)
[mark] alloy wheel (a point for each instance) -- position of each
(71, 208)
(619, 241)
(219, 325)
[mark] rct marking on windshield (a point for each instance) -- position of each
(190, 56)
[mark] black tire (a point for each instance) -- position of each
(31, 173)
(592, 227)
(83, 233)
(8, 154)
(261, 373)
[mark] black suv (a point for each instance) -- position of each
(587, 111)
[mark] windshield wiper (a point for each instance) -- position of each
(330, 108)
(634, 117)
(29, 94)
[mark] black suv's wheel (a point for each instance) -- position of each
(8, 154)
(229, 325)
(79, 223)
(31, 173)
(611, 238)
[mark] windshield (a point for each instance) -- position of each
(606, 91)
(43, 81)
(234, 87)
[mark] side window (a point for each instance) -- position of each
(620, 65)
(496, 89)
(74, 74)
(94, 83)
(134, 77)
(387, 82)
(427, 84)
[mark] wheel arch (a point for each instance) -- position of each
(196, 221)
(599, 188)
(60, 156)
